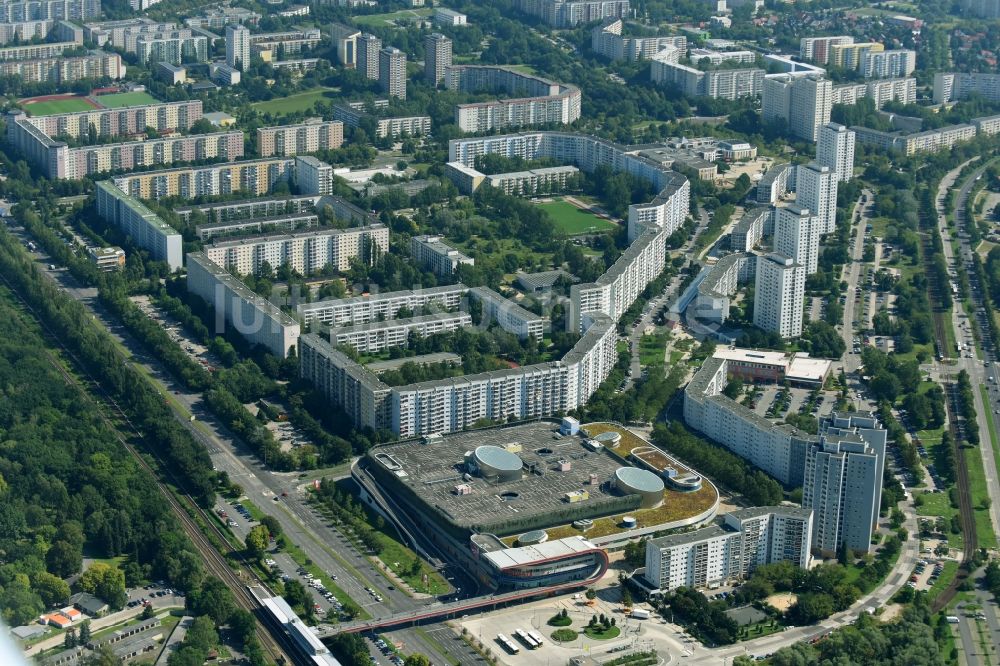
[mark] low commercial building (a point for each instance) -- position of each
(510, 316)
(107, 259)
(432, 253)
(141, 225)
(258, 320)
(540, 101)
(306, 137)
(171, 74)
(374, 337)
(745, 540)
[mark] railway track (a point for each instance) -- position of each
(215, 562)
(940, 315)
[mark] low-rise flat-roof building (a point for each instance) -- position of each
(107, 259)
(432, 253)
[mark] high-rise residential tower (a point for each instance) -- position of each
(368, 50)
(816, 189)
(796, 235)
(779, 294)
(835, 149)
(237, 47)
(802, 102)
(392, 71)
(437, 57)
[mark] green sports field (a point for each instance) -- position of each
(303, 101)
(118, 100)
(572, 221)
(51, 107)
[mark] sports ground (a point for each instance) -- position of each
(48, 105)
(572, 220)
(303, 101)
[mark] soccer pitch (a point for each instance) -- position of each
(572, 220)
(54, 106)
(118, 100)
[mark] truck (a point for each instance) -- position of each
(640, 613)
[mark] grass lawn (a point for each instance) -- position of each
(563, 635)
(599, 635)
(651, 348)
(755, 631)
(386, 20)
(118, 100)
(52, 107)
(524, 69)
(938, 504)
(572, 221)
(302, 101)
(977, 487)
(991, 424)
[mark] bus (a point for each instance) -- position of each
(526, 638)
(508, 645)
(537, 636)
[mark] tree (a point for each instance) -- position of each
(84, 632)
(105, 581)
(215, 600)
(591, 593)
(147, 612)
(69, 638)
(52, 589)
(64, 559)
(257, 540)
(417, 660)
(626, 597)
(272, 525)
(243, 624)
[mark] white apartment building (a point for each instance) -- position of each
(779, 295)
(175, 47)
(306, 252)
(803, 103)
(142, 225)
(818, 49)
(306, 137)
(568, 13)
(747, 539)
(237, 47)
(908, 144)
(778, 181)
(38, 10)
(375, 307)
(843, 481)
(392, 127)
(258, 320)
(437, 57)
(346, 40)
(720, 83)
(699, 56)
(432, 253)
(369, 47)
(607, 40)
(510, 316)
(951, 86)
(539, 101)
(835, 149)
(796, 235)
(313, 176)
(816, 190)
(60, 70)
(749, 230)
(879, 91)
(722, 281)
(392, 72)
(374, 337)
(895, 63)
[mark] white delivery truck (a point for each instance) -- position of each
(640, 613)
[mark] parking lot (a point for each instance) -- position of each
(194, 349)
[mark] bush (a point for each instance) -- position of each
(564, 635)
(560, 621)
